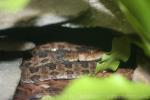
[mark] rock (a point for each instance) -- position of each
(9, 78)
(142, 72)
(103, 13)
(41, 13)
(12, 45)
(68, 13)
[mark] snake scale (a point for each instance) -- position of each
(59, 60)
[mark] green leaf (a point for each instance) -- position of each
(109, 63)
(87, 88)
(12, 5)
(137, 13)
(120, 52)
(121, 48)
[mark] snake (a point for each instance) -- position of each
(59, 60)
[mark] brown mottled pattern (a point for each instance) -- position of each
(59, 60)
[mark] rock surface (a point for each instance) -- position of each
(40, 13)
(102, 13)
(12, 45)
(9, 78)
(142, 72)
(68, 13)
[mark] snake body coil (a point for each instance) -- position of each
(59, 60)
